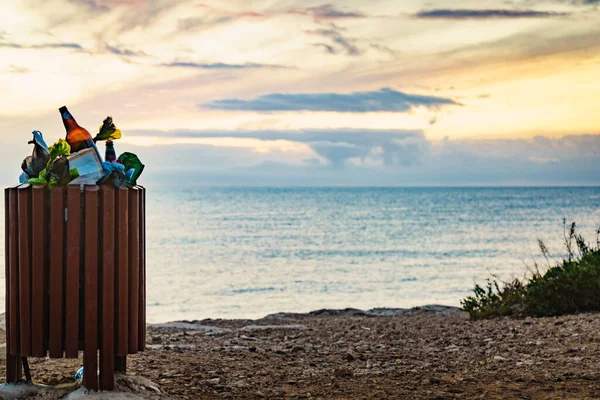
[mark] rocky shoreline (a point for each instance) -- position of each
(431, 352)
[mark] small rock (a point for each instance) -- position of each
(588, 377)
(297, 349)
(250, 338)
(499, 358)
(214, 381)
(254, 328)
(252, 349)
(558, 379)
(349, 357)
(343, 373)
(17, 391)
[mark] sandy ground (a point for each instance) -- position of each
(427, 353)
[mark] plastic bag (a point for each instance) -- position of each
(108, 131)
(58, 173)
(37, 161)
(24, 178)
(113, 173)
(131, 162)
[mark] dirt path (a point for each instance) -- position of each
(424, 354)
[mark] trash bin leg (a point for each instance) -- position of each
(13, 368)
(121, 364)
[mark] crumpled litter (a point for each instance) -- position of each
(133, 167)
(113, 172)
(108, 131)
(57, 171)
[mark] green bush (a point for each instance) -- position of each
(571, 286)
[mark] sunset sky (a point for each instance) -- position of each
(353, 92)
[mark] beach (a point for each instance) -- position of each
(431, 352)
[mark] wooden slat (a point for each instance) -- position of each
(73, 254)
(7, 217)
(24, 198)
(57, 218)
(11, 359)
(107, 289)
(91, 237)
(38, 261)
(134, 270)
(13, 248)
(142, 296)
(123, 322)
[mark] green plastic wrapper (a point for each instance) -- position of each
(108, 131)
(40, 180)
(132, 162)
(60, 148)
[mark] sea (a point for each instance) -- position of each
(246, 252)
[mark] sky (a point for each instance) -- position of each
(353, 92)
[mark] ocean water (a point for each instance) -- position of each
(248, 252)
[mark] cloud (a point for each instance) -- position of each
(186, 24)
(385, 99)
(123, 52)
(485, 14)
(384, 49)
(57, 46)
(215, 16)
(327, 11)
(73, 46)
(17, 70)
(335, 35)
(93, 5)
(337, 146)
(222, 65)
(329, 49)
(376, 157)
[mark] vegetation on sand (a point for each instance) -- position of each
(572, 285)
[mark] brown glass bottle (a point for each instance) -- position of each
(77, 137)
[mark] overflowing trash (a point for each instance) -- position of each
(76, 159)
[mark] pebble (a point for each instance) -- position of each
(342, 373)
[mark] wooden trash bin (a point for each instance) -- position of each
(75, 276)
